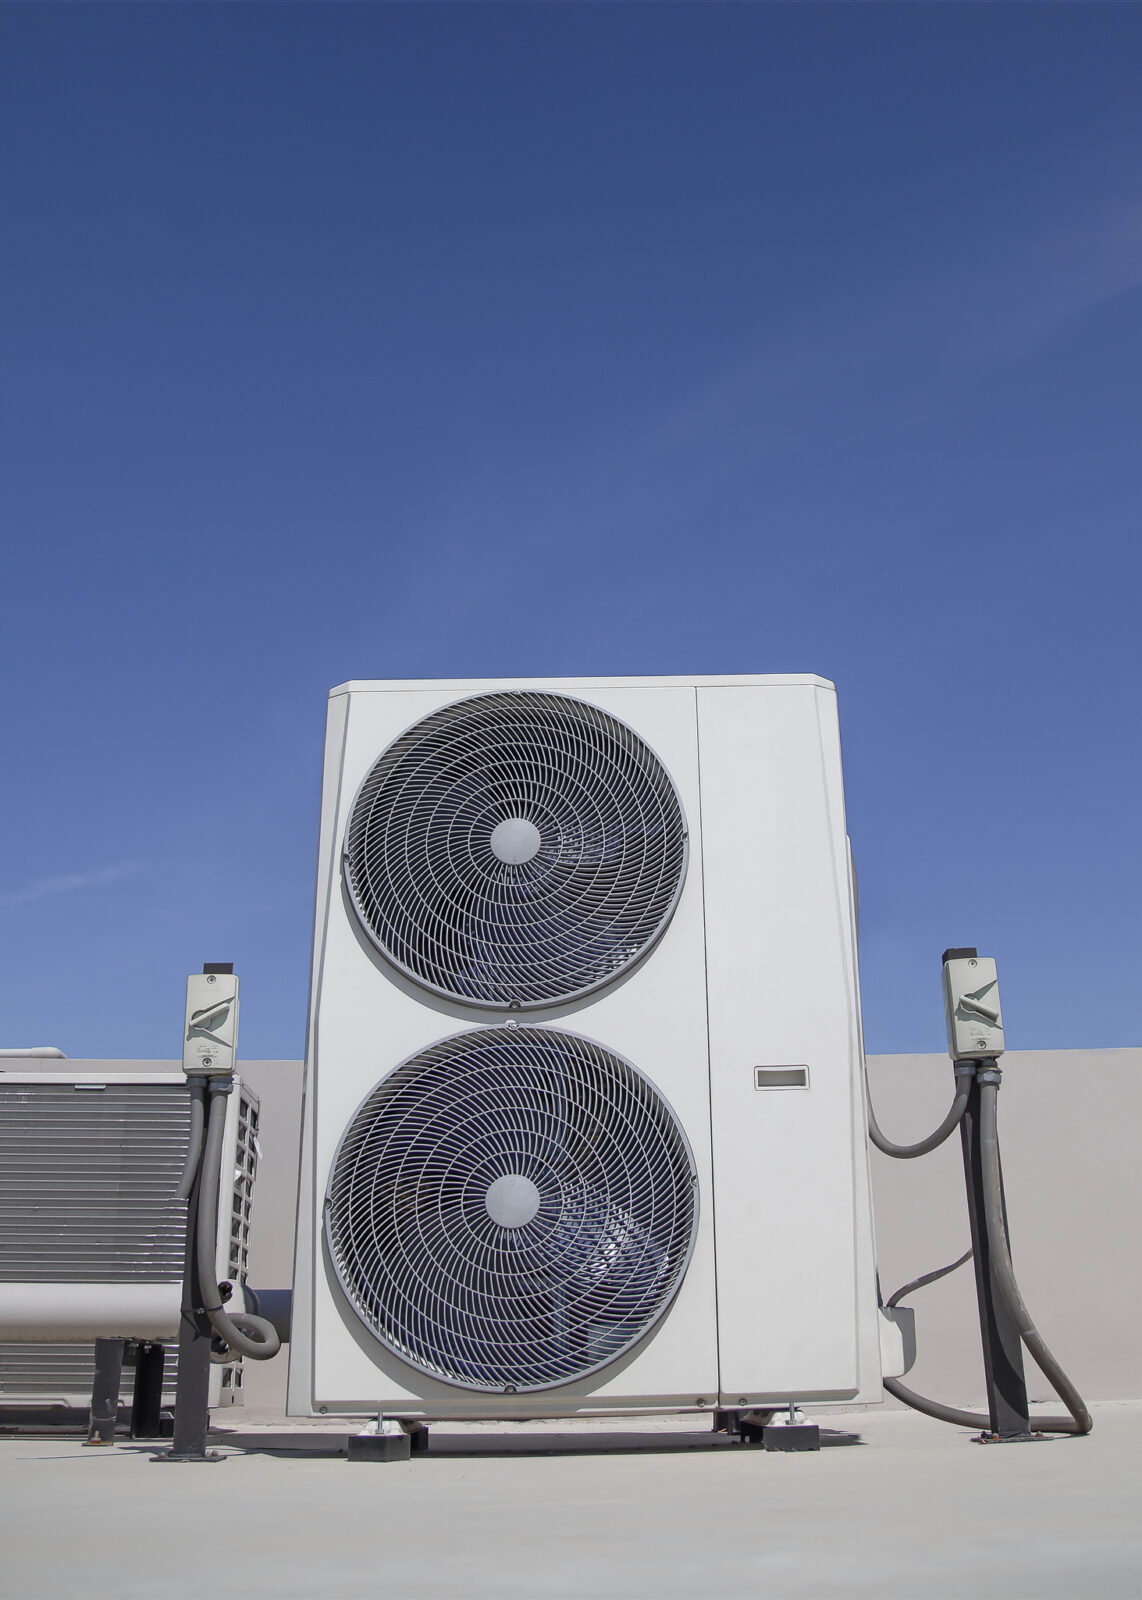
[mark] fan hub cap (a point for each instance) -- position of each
(515, 840)
(512, 1200)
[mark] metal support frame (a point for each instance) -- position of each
(147, 1394)
(417, 1437)
(105, 1391)
(1002, 1346)
(192, 1386)
(195, 1334)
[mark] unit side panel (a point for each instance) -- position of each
(780, 994)
(870, 1388)
(368, 1018)
(300, 1380)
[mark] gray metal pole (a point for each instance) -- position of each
(1002, 1346)
(192, 1386)
(105, 1391)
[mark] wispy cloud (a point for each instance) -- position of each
(1001, 307)
(69, 883)
(874, 354)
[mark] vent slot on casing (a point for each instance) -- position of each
(781, 1077)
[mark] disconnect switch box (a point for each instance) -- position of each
(971, 1006)
(210, 1034)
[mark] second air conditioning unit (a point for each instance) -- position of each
(92, 1236)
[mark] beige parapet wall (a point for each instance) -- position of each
(1069, 1125)
(1070, 1122)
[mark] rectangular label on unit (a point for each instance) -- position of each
(781, 1077)
(972, 1009)
(210, 1033)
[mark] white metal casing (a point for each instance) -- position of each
(757, 967)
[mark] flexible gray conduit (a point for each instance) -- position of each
(920, 1402)
(942, 1413)
(194, 1148)
(906, 1152)
(227, 1327)
(928, 1277)
(1080, 1419)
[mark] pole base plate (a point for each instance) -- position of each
(1009, 1438)
(169, 1455)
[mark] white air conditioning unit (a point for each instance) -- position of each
(92, 1237)
(584, 1126)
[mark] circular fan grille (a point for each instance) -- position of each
(516, 849)
(512, 1208)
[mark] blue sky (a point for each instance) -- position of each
(459, 340)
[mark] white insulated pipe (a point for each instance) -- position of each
(73, 1313)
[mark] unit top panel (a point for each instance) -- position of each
(484, 685)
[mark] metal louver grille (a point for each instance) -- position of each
(87, 1182)
(512, 1208)
(55, 1374)
(245, 1171)
(516, 849)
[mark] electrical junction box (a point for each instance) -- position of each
(972, 1009)
(210, 1033)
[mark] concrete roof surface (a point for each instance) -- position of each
(894, 1505)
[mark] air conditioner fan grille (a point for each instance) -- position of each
(516, 849)
(592, 1257)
